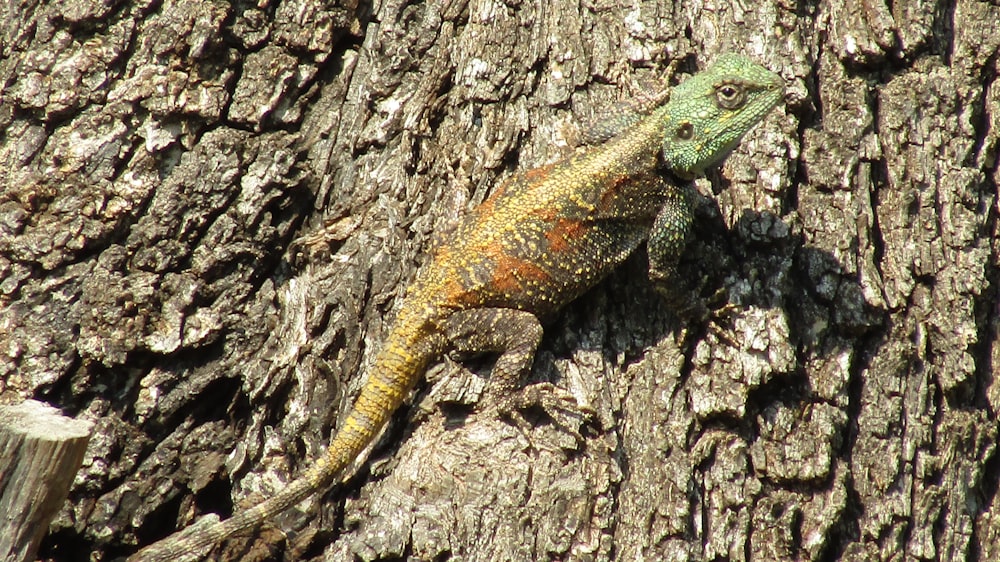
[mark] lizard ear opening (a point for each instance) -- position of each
(684, 131)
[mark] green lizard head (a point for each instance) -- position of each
(709, 113)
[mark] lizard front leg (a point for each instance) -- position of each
(667, 240)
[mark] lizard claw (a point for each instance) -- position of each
(550, 397)
(558, 404)
(720, 316)
(715, 310)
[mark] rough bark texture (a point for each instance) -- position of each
(159, 159)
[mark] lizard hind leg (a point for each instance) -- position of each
(515, 335)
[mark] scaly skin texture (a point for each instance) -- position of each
(543, 238)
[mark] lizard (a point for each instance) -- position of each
(540, 240)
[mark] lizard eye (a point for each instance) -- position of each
(685, 131)
(730, 96)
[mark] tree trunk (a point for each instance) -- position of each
(209, 213)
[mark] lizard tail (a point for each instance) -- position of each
(398, 367)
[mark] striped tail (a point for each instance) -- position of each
(401, 363)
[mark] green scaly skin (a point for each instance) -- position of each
(543, 238)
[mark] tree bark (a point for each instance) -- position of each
(210, 211)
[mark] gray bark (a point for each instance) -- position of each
(209, 212)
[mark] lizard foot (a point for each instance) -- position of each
(719, 317)
(715, 311)
(687, 304)
(558, 404)
(686, 300)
